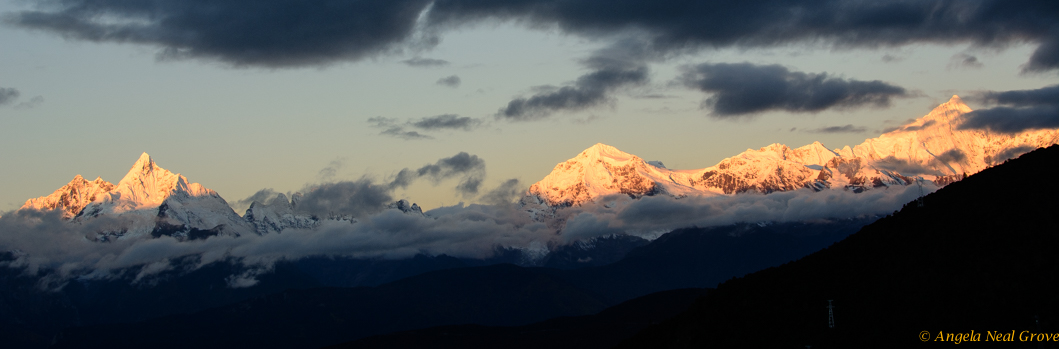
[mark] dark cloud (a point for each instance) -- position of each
(268, 33)
(1020, 110)
(505, 193)
(954, 155)
(904, 167)
(469, 186)
(963, 60)
(1044, 95)
(347, 198)
(838, 129)
(469, 167)
(8, 95)
(458, 164)
(425, 62)
(285, 33)
(450, 81)
(743, 89)
(621, 64)
(447, 121)
(679, 25)
(589, 90)
(1013, 120)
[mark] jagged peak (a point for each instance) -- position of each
(946, 111)
(144, 166)
(144, 161)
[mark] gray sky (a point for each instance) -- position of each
(85, 87)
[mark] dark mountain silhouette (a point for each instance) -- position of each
(500, 294)
(602, 330)
(978, 255)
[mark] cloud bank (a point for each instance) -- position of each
(291, 33)
(45, 245)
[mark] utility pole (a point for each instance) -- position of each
(830, 315)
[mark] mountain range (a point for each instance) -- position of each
(930, 148)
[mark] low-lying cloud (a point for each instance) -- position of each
(743, 89)
(44, 244)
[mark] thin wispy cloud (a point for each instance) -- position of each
(400, 129)
(446, 121)
(425, 62)
(849, 128)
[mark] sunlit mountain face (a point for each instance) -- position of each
(931, 148)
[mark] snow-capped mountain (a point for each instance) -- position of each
(148, 200)
(406, 207)
(930, 148)
(278, 214)
(72, 197)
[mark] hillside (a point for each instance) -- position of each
(978, 255)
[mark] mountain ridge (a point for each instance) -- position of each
(930, 148)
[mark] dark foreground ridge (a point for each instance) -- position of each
(979, 256)
(603, 330)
